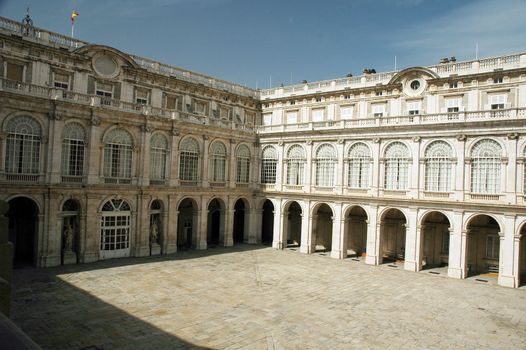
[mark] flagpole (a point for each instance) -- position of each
(72, 29)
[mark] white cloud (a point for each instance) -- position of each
(497, 25)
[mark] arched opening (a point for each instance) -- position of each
(434, 243)
(187, 224)
(293, 224)
(23, 220)
(392, 236)
(356, 232)
(115, 229)
(267, 222)
(322, 230)
(239, 221)
(482, 246)
(215, 231)
(70, 231)
(522, 257)
(156, 227)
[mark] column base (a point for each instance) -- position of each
(200, 246)
(229, 242)
(306, 249)
(90, 257)
(142, 251)
(277, 245)
(337, 254)
(49, 261)
(69, 258)
(155, 249)
(372, 260)
(410, 266)
(507, 281)
(170, 249)
(454, 272)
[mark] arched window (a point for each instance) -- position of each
(73, 145)
(118, 145)
(158, 151)
(23, 146)
(438, 167)
(243, 164)
(296, 165)
(217, 162)
(188, 159)
(396, 166)
(269, 161)
(486, 166)
(325, 165)
(115, 229)
(359, 162)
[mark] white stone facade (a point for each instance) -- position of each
(423, 166)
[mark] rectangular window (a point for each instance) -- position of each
(453, 85)
(453, 105)
(170, 102)
(378, 110)
(497, 80)
(61, 81)
(104, 90)
(15, 72)
(318, 114)
(492, 246)
(292, 117)
(141, 96)
(346, 112)
(497, 101)
(379, 93)
(267, 119)
(414, 107)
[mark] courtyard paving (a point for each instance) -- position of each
(254, 297)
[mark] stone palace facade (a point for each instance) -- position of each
(104, 154)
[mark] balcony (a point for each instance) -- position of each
(423, 119)
(113, 104)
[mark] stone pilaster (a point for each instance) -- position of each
(6, 261)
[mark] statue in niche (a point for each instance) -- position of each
(68, 234)
(154, 233)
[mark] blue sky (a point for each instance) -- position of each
(247, 41)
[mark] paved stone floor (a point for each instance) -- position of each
(252, 297)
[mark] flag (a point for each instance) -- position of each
(73, 15)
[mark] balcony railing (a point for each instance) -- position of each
(109, 103)
(424, 119)
(47, 37)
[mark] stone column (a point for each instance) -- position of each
(229, 230)
(412, 241)
(308, 229)
(6, 261)
(375, 167)
(144, 156)
(170, 234)
(94, 152)
(52, 240)
(204, 165)
(280, 167)
(337, 249)
(231, 170)
(461, 168)
(373, 256)
(54, 149)
(510, 169)
(419, 244)
(338, 181)
(508, 252)
(308, 167)
(92, 237)
(457, 247)
(256, 218)
(142, 232)
(174, 159)
(279, 228)
(202, 233)
(414, 168)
